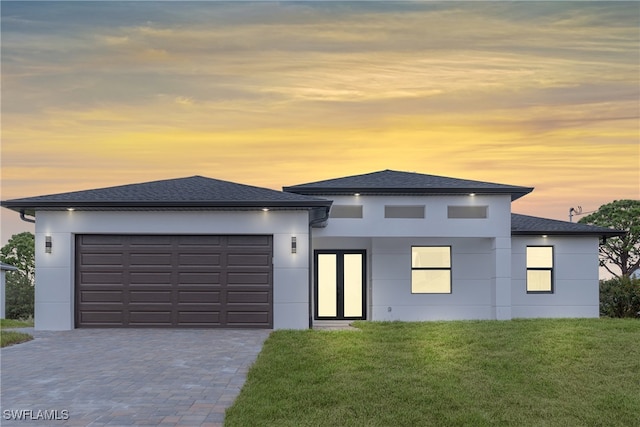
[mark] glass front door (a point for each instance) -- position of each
(340, 284)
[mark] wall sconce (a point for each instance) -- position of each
(294, 245)
(47, 244)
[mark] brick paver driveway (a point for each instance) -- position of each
(124, 377)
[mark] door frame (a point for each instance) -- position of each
(340, 283)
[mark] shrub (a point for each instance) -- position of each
(19, 296)
(620, 297)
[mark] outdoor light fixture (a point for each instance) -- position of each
(356, 194)
(265, 209)
(472, 194)
(70, 209)
(294, 245)
(47, 244)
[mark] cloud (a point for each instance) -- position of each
(105, 93)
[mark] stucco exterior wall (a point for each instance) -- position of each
(575, 280)
(54, 293)
(435, 224)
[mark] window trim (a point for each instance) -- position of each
(550, 269)
(449, 269)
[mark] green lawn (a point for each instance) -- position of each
(515, 373)
(13, 337)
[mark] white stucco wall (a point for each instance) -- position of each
(471, 290)
(435, 224)
(576, 292)
(481, 255)
(54, 293)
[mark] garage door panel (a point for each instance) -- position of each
(113, 317)
(247, 318)
(249, 241)
(141, 241)
(142, 318)
(200, 260)
(102, 259)
(198, 278)
(102, 296)
(174, 281)
(101, 278)
(150, 259)
(248, 260)
(191, 318)
(185, 242)
(136, 296)
(248, 297)
(249, 279)
(150, 278)
(101, 240)
(199, 296)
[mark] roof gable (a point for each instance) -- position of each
(195, 191)
(397, 182)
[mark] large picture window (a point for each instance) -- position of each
(540, 269)
(431, 269)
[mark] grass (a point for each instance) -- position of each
(12, 337)
(485, 373)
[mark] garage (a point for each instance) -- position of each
(192, 281)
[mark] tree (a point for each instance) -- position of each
(624, 252)
(20, 252)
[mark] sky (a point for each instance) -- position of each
(539, 94)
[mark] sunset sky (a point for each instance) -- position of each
(541, 94)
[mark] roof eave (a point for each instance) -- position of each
(612, 233)
(63, 205)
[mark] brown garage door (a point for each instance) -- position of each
(174, 281)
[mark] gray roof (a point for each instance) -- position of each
(191, 192)
(396, 182)
(532, 225)
(7, 267)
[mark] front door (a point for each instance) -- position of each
(340, 284)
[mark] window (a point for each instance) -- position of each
(540, 269)
(466, 212)
(431, 269)
(391, 211)
(346, 211)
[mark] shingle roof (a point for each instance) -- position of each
(195, 192)
(397, 182)
(532, 225)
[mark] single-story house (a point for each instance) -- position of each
(3, 269)
(387, 245)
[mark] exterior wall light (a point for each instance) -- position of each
(472, 194)
(544, 236)
(294, 245)
(47, 244)
(356, 194)
(265, 209)
(70, 209)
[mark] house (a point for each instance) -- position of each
(387, 245)
(3, 269)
